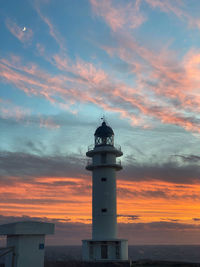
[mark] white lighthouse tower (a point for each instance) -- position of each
(104, 245)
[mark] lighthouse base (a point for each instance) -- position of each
(105, 250)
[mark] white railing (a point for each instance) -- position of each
(92, 146)
(90, 162)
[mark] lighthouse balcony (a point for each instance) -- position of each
(107, 251)
(94, 149)
(91, 166)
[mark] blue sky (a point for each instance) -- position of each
(65, 64)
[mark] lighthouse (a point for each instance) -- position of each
(103, 163)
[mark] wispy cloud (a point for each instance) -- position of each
(171, 171)
(165, 89)
(83, 82)
(52, 28)
(169, 86)
(17, 31)
(189, 158)
(9, 110)
(12, 112)
(119, 16)
(44, 166)
(48, 123)
(131, 14)
(177, 8)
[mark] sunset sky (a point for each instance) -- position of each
(63, 65)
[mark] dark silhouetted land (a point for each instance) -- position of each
(142, 263)
(172, 253)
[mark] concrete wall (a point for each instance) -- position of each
(104, 197)
(124, 250)
(110, 157)
(116, 250)
(29, 250)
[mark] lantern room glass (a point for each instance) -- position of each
(104, 141)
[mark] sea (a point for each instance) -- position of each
(182, 253)
(185, 253)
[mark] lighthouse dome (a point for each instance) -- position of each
(104, 130)
(104, 135)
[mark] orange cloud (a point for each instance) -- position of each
(52, 197)
(155, 201)
(60, 197)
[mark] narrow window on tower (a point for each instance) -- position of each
(103, 158)
(103, 179)
(104, 210)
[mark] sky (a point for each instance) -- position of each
(65, 64)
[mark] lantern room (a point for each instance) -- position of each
(104, 135)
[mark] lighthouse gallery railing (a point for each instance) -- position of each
(92, 146)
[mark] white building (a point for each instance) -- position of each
(104, 245)
(26, 240)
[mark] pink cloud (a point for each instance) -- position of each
(129, 14)
(192, 66)
(10, 110)
(177, 8)
(83, 82)
(52, 30)
(118, 16)
(165, 79)
(48, 123)
(17, 31)
(167, 6)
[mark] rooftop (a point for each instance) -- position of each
(27, 228)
